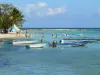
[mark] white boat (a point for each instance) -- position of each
(23, 42)
(35, 45)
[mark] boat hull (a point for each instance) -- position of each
(23, 42)
(74, 44)
(35, 45)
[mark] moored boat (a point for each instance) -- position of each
(35, 45)
(23, 42)
(69, 43)
(73, 43)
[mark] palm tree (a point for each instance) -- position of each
(16, 17)
(10, 15)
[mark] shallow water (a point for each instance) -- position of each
(17, 60)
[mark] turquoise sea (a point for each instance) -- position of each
(17, 60)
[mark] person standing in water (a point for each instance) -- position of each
(54, 44)
(60, 41)
(52, 35)
(56, 35)
(26, 33)
(41, 40)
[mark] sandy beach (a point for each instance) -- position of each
(11, 36)
(18, 36)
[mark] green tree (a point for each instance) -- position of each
(10, 15)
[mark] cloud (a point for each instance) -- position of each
(42, 4)
(55, 11)
(42, 9)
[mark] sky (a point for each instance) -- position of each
(59, 13)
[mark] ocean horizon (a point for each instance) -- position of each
(59, 28)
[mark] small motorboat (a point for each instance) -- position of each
(74, 43)
(69, 43)
(23, 42)
(35, 45)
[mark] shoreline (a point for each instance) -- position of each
(12, 36)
